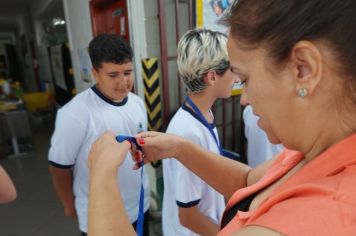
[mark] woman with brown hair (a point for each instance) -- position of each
(297, 62)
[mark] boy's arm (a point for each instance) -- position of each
(63, 184)
(66, 143)
(195, 221)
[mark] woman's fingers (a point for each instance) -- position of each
(107, 152)
(147, 134)
(137, 157)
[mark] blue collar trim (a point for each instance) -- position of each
(111, 102)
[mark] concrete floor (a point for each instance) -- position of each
(37, 211)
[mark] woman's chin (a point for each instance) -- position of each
(274, 140)
(271, 137)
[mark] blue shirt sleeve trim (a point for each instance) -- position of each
(64, 167)
(188, 204)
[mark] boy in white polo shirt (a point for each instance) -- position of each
(190, 206)
(108, 105)
(259, 148)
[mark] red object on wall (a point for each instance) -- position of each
(110, 16)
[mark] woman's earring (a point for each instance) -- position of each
(303, 92)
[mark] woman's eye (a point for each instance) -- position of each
(233, 70)
(243, 79)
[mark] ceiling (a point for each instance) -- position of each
(54, 10)
(11, 10)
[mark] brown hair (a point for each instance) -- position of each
(280, 24)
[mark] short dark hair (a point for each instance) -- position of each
(109, 48)
(280, 24)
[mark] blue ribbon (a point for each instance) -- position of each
(205, 122)
(141, 215)
(224, 4)
(223, 152)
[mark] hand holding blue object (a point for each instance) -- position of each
(140, 219)
(121, 138)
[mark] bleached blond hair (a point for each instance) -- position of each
(199, 51)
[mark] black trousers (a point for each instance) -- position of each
(145, 225)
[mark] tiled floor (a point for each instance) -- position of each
(37, 211)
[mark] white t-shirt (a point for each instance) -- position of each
(78, 124)
(182, 186)
(259, 149)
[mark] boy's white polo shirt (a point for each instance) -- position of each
(181, 186)
(259, 149)
(78, 124)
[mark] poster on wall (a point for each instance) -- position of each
(210, 11)
(57, 66)
(85, 65)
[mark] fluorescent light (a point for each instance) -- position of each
(58, 21)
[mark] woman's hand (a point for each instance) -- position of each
(107, 154)
(156, 146)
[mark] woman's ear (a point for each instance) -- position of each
(307, 66)
(210, 77)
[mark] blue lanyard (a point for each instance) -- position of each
(224, 4)
(141, 215)
(205, 122)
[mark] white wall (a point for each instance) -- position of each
(78, 23)
(152, 28)
(136, 10)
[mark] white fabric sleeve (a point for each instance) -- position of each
(66, 140)
(246, 116)
(188, 186)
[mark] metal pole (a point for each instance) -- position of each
(177, 40)
(164, 60)
(190, 10)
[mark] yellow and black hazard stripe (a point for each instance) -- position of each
(152, 93)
